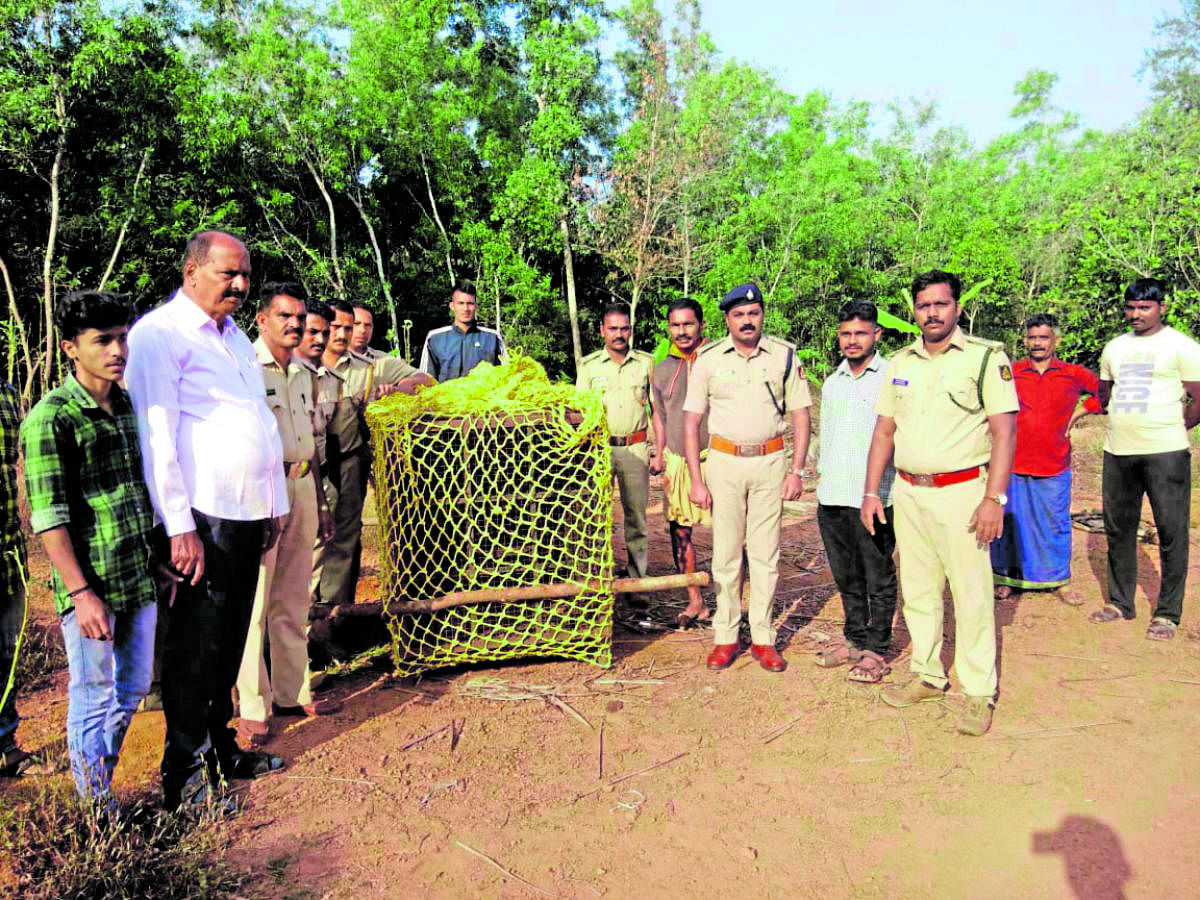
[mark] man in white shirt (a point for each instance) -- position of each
(861, 562)
(1144, 377)
(214, 467)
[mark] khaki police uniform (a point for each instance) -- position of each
(280, 612)
(942, 428)
(334, 570)
(748, 401)
(626, 389)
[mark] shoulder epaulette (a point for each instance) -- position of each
(595, 354)
(723, 343)
(643, 355)
(778, 340)
(305, 364)
(993, 345)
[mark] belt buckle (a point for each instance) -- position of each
(924, 481)
(750, 449)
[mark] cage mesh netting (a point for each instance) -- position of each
(496, 480)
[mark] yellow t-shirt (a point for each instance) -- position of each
(1145, 413)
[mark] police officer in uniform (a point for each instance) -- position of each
(749, 385)
(947, 411)
(280, 612)
(335, 562)
(623, 376)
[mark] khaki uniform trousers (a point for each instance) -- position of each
(747, 508)
(931, 533)
(280, 613)
(333, 563)
(631, 465)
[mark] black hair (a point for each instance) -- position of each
(361, 305)
(341, 306)
(80, 310)
(937, 276)
(1039, 319)
(858, 309)
(273, 289)
(1152, 289)
(322, 310)
(464, 287)
(686, 303)
(616, 309)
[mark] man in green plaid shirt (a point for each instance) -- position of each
(90, 506)
(12, 585)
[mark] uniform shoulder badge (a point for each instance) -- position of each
(984, 342)
(1006, 372)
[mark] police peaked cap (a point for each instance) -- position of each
(743, 293)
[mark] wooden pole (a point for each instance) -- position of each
(531, 592)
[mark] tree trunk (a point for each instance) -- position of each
(60, 112)
(112, 260)
(572, 305)
(437, 218)
(17, 329)
(383, 282)
(338, 284)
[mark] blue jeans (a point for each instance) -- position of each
(108, 680)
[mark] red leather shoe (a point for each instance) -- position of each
(722, 656)
(768, 657)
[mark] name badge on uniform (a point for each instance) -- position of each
(270, 392)
(903, 382)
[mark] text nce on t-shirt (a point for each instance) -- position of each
(1145, 413)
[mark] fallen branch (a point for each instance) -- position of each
(1067, 729)
(565, 707)
(1064, 656)
(628, 775)
(328, 778)
(496, 865)
(424, 737)
(780, 731)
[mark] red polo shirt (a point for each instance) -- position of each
(1047, 401)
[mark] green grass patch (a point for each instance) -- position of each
(42, 655)
(52, 846)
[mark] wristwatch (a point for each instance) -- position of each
(1000, 498)
(799, 473)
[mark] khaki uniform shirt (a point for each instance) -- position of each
(291, 401)
(371, 354)
(736, 391)
(934, 400)
(326, 388)
(625, 386)
(359, 377)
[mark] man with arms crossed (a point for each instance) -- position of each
(669, 383)
(1150, 385)
(948, 410)
(214, 467)
(749, 385)
(861, 562)
(1034, 552)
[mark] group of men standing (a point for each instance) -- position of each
(181, 460)
(947, 452)
(236, 471)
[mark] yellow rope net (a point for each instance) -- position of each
(499, 479)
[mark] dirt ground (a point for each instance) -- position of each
(657, 777)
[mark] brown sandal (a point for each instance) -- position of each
(1109, 612)
(837, 652)
(869, 669)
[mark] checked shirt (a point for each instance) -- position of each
(12, 545)
(83, 470)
